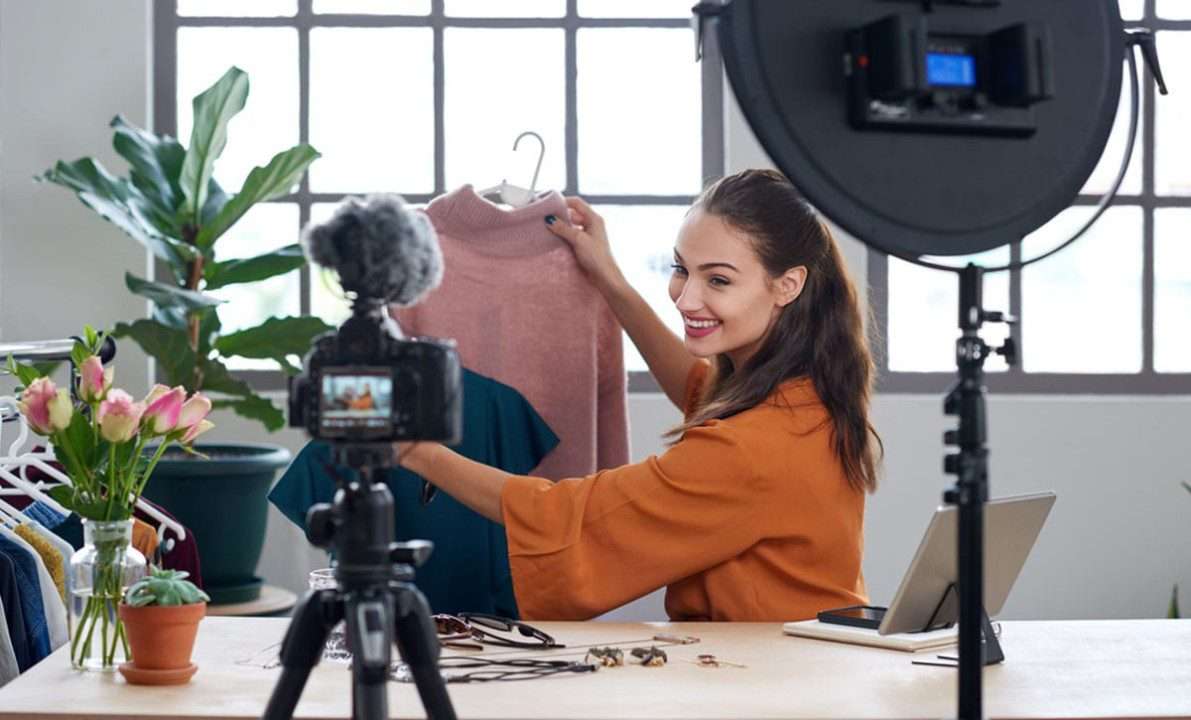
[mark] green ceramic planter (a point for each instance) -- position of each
(222, 500)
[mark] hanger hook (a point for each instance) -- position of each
(541, 153)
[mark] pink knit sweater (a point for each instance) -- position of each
(523, 313)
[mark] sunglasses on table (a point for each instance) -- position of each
(464, 628)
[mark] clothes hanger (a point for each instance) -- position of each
(513, 195)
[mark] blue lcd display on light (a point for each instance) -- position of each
(951, 70)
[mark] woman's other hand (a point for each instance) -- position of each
(584, 232)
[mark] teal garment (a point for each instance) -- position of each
(469, 568)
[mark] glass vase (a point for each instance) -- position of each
(100, 572)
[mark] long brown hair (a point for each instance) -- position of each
(819, 335)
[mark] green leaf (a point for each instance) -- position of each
(169, 295)
(25, 373)
(217, 378)
(255, 407)
(170, 346)
(213, 108)
(263, 184)
(278, 262)
(1173, 611)
(156, 163)
(46, 369)
(78, 449)
(120, 204)
(275, 338)
(78, 354)
(209, 327)
(216, 200)
(171, 317)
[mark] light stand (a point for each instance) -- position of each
(966, 399)
(375, 594)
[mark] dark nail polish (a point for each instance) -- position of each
(550, 219)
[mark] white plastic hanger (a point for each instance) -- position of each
(40, 460)
(513, 195)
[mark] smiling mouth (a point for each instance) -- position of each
(700, 324)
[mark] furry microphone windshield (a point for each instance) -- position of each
(381, 249)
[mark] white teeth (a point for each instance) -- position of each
(701, 323)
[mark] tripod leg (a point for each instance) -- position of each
(369, 633)
(301, 650)
(417, 642)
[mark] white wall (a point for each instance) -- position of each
(1120, 534)
(67, 68)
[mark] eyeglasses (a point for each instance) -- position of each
(492, 670)
(452, 629)
(507, 670)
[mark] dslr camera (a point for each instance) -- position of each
(364, 383)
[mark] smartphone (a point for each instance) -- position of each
(865, 616)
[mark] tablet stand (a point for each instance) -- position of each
(990, 646)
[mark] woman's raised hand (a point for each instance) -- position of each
(584, 232)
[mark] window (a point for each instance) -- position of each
(418, 97)
(1110, 314)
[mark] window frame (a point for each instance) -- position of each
(167, 22)
(1015, 379)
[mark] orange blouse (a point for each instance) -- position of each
(750, 518)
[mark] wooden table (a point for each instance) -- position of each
(1101, 669)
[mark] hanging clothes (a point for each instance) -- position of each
(522, 312)
(49, 555)
(469, 568)
(8, 658)
(144, 538)
(29, 592)
(52, 604)
(14, 615)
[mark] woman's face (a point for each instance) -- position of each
(726, 297)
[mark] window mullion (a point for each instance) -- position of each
(571, 131)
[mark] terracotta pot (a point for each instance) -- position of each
(162, 637)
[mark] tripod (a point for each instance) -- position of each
(375, 595)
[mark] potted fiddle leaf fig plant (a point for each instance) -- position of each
(161, 614)
(170, 203)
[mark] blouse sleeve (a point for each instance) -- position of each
(583, 546)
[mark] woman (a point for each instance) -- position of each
(756, 511)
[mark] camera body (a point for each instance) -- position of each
(364, 384)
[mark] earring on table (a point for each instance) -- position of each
(604, 656)
(651, 656)
(712, 661)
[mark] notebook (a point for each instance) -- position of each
(906, 642)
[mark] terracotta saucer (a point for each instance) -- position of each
(138, 676)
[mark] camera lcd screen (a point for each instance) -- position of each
(950, 69)
(356, 399)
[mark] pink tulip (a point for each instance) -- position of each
(94, 379)
(157, 391)
(193, 411)
(45, 407)
(119, 417)
(162, 410)
(195, 430)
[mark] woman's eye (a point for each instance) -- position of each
(719, 281)
(678, 269)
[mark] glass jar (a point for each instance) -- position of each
(335, 649)
(100, 572)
